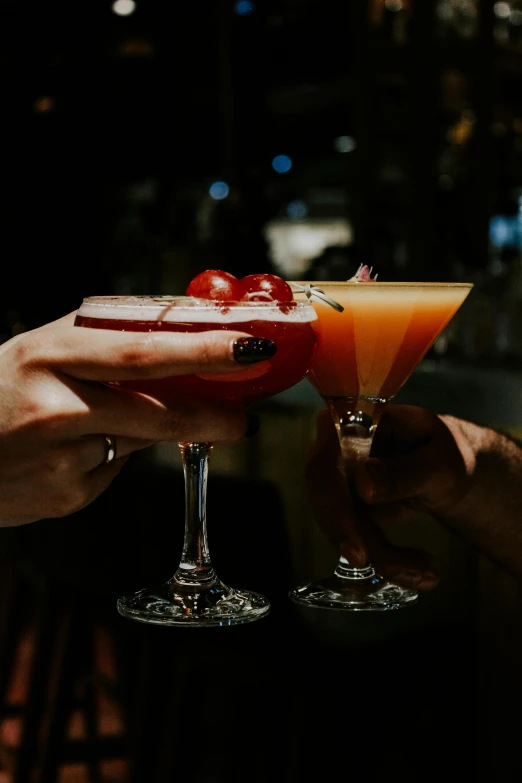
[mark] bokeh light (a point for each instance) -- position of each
(345, 144)
(282, 164)
(44, 104)
(393, 5)
(297, 210)
(219, 190)
(124, 7)
(504, 231)
(502, 10)
(244, 7)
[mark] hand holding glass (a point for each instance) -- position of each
(195, 596)
(364, 355)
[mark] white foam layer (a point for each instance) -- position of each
(189, 310)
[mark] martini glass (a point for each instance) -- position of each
(195, 596)
(367, 349)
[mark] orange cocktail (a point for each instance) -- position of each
(372, 347)
(371, 336)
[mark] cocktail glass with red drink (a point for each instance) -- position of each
(368, 346)
(195, 596)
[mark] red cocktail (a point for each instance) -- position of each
(195, 596)
(288, 325)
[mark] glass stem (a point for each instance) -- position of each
(195, 568)
(355, 431)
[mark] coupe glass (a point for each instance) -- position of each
(367, 349)
(195, 596)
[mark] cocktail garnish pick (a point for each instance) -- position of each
(314, 292)
(363, 275)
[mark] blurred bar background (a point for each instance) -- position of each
(146, 141)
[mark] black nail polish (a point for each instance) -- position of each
(253, 424)
(248, 350)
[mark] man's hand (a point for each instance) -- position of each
(419, 461)
(466, 476)
(415, 466)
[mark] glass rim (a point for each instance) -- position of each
(379, 283)
(126, 300)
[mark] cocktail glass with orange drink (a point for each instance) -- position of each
(195, 596)
(368, 346)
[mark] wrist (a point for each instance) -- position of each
(489, 458)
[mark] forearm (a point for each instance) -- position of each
(489, 512)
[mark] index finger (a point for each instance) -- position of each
(107, 355)
(65, 320)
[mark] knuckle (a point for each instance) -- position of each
(179, 424)
(71, 499)
(66, 462)
(194, 422)
(24, 354)
(141, 355)
(232, 427)
(170, 421)
(46, 413)
(211, 348)
(58, 468)
(33, 351)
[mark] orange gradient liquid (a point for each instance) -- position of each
(373, 346)
(295, 339)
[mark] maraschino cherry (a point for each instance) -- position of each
(221, 286)
(215, 284)
(265, 288)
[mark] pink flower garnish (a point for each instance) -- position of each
(364, 275)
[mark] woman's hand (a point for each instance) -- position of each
(55, 410)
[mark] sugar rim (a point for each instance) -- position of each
(378, 284)
(125, 300)
(187, 309)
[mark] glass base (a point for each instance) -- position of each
(369, 594)
(171, 604)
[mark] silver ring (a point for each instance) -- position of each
(110, 449)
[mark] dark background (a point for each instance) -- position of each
(115, 127)
(403, 123)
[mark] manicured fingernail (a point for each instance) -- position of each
(248, 350)
(253, 424)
